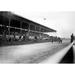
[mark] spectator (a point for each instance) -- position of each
(72, 38)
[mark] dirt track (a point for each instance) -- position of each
(33, 53)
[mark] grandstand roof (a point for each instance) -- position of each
(14, 16)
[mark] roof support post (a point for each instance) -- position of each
(9, 27)
(20, 27)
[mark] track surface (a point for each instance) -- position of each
(34, 53)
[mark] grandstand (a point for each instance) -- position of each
(14, 28)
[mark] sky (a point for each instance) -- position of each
(57, 14)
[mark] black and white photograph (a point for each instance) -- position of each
(41, 38)
(37, 37)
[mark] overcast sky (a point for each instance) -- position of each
(55, 12)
